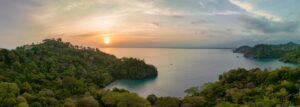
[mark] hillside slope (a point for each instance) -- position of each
(59, 67)
(289, 52)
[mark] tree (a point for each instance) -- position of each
(88, 101)
(8, 92)
(26, 87)
(167, 102)
(50, 72)
(36, 104)
(193, 91)
(152, 98)
(9, 88)
(69, 103)
(23, 104)
(195, 101)
(125, 99)
(21, 99)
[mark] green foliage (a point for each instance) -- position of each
(26, 87)
(36, 104)
(152, 98)
(48, 73)
(132, 68)
(8, 93)
(289, 52)
(254, 88)
(7, 89)
(88, 101)
(167, 102)
(55, 74)
(69, 103)
(23, 104)
(194, 101)
(124, 99)
(193, 91)
(21, 99)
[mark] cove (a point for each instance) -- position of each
(179, 69)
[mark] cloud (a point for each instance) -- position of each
(166, 12)
(16, 14)
(89, 34)
(220, 13)
(249, 8)
(213, 21)
(266, 26)
(200, 21)
(156, 24)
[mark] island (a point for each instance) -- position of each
(289, 52)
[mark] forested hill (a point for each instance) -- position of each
(58, 74)
(289, 52)
(66, 69)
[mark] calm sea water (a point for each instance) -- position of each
(179, 69)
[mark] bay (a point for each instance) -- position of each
(179, 69)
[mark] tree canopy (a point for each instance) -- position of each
(50, 72)
(289, 52)
(254, 88)
(54, 73)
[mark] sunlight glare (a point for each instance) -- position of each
(106, 40)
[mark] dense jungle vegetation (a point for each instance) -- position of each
(289, 52)
(52, 71)
(57, 74)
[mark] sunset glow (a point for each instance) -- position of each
(150, 23)
(106, 40)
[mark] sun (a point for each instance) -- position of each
(106, 40)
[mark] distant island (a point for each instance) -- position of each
(58, 74)
(289, 52)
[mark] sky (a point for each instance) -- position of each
(150, 23)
